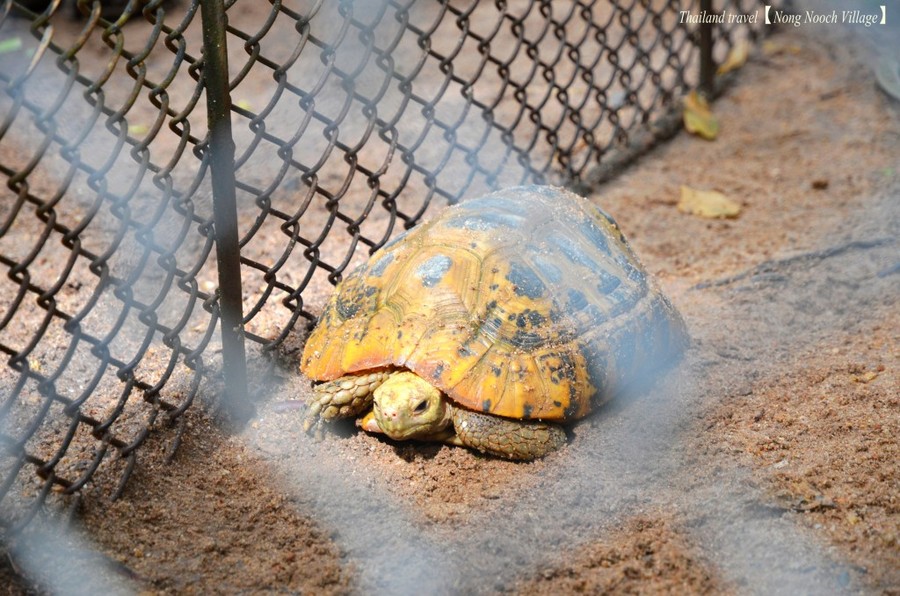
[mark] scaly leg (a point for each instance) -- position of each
(346, 397)
(512, 439)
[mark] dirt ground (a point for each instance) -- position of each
(766, 462)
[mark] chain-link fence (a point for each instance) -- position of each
(333, 126)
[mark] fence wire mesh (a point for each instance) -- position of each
(350, 120)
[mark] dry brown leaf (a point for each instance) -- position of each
(707, 203)
(736, 58)
(698, 118)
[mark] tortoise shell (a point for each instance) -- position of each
(524, 303)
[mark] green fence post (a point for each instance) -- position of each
(221, 154)
(707, 66)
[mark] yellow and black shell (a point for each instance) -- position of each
(526, 303)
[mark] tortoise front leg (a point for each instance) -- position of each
(346, 397)
(512, 439)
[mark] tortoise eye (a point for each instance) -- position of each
(421, 407)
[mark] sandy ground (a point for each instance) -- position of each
(767, 462)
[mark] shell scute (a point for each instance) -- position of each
(525, 303)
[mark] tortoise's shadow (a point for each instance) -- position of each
(343, 428)
(410, 451)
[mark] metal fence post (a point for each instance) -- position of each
(221, 152)
(707, 66)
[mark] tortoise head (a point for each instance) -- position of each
(407, 406)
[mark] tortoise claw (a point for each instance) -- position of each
(312, 423)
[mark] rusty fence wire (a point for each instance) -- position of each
(336, 125)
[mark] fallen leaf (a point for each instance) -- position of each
(12, 44)
(773, 48)
(698, 118)
(736, 58)
(707, 203)
(865, 377)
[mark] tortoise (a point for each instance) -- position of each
(491, 326)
